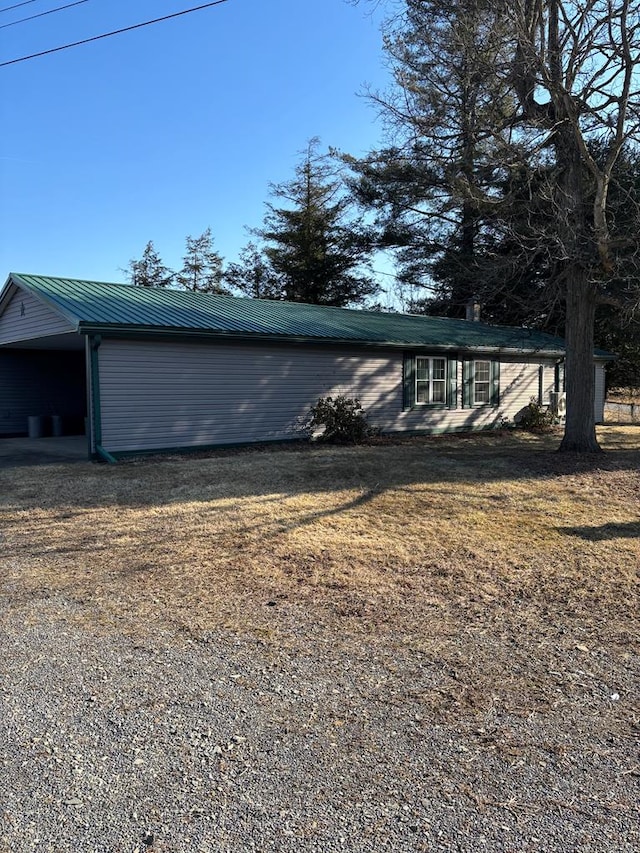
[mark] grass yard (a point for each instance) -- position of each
(512, 568)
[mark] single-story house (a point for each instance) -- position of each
(159, 369)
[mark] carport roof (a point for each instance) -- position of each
(100, 307)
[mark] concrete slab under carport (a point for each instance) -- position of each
(21, 452)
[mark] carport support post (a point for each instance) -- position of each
(95, 424)
(95, 413)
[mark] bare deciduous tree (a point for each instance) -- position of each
(576, 67)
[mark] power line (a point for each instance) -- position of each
(17, 5)
(113, 33)
(42, 14)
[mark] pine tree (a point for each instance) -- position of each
(149, 271)
(253, 276)
(313, 244)
(202, 269)
(428, 187)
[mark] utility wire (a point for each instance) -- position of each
(42, 14)
(113, 33)
(17, 5)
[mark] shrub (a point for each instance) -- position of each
(341, 419)
(537, 418)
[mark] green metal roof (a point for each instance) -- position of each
(102, 307)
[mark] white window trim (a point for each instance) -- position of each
(485, 382)
(430, 381)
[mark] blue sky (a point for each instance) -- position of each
(161, 132)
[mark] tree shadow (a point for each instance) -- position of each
(271, 475)
(623, 530)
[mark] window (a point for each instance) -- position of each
(431, 380)
(481, 383)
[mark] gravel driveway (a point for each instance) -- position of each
(129, 741)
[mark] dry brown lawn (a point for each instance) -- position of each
(513, 569)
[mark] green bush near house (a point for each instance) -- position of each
(341, 420)
(537, 418)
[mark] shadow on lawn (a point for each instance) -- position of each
(219, 479)
(626, 530)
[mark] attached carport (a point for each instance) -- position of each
(46, 379)
(43, 374)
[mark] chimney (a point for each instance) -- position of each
(473, 310)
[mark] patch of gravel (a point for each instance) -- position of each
(111, 741)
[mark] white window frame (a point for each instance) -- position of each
(484, 384)
(430, 383)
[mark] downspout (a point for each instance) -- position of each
(96, 411)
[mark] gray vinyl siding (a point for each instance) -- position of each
(183, 395)
(162, 395)
(26, 317)
(36, 382)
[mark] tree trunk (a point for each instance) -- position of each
(581, 292)
(580, 427)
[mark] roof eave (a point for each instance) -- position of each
(6, 294)
(127, 332)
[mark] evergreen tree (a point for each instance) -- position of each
(202, 269)
(428, 187)
(253, 276)
(149, 271)
(313, 245)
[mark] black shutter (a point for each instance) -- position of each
(540, 384)
(467, 384)
(408, 381)
(495, 383)
(452, 383)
